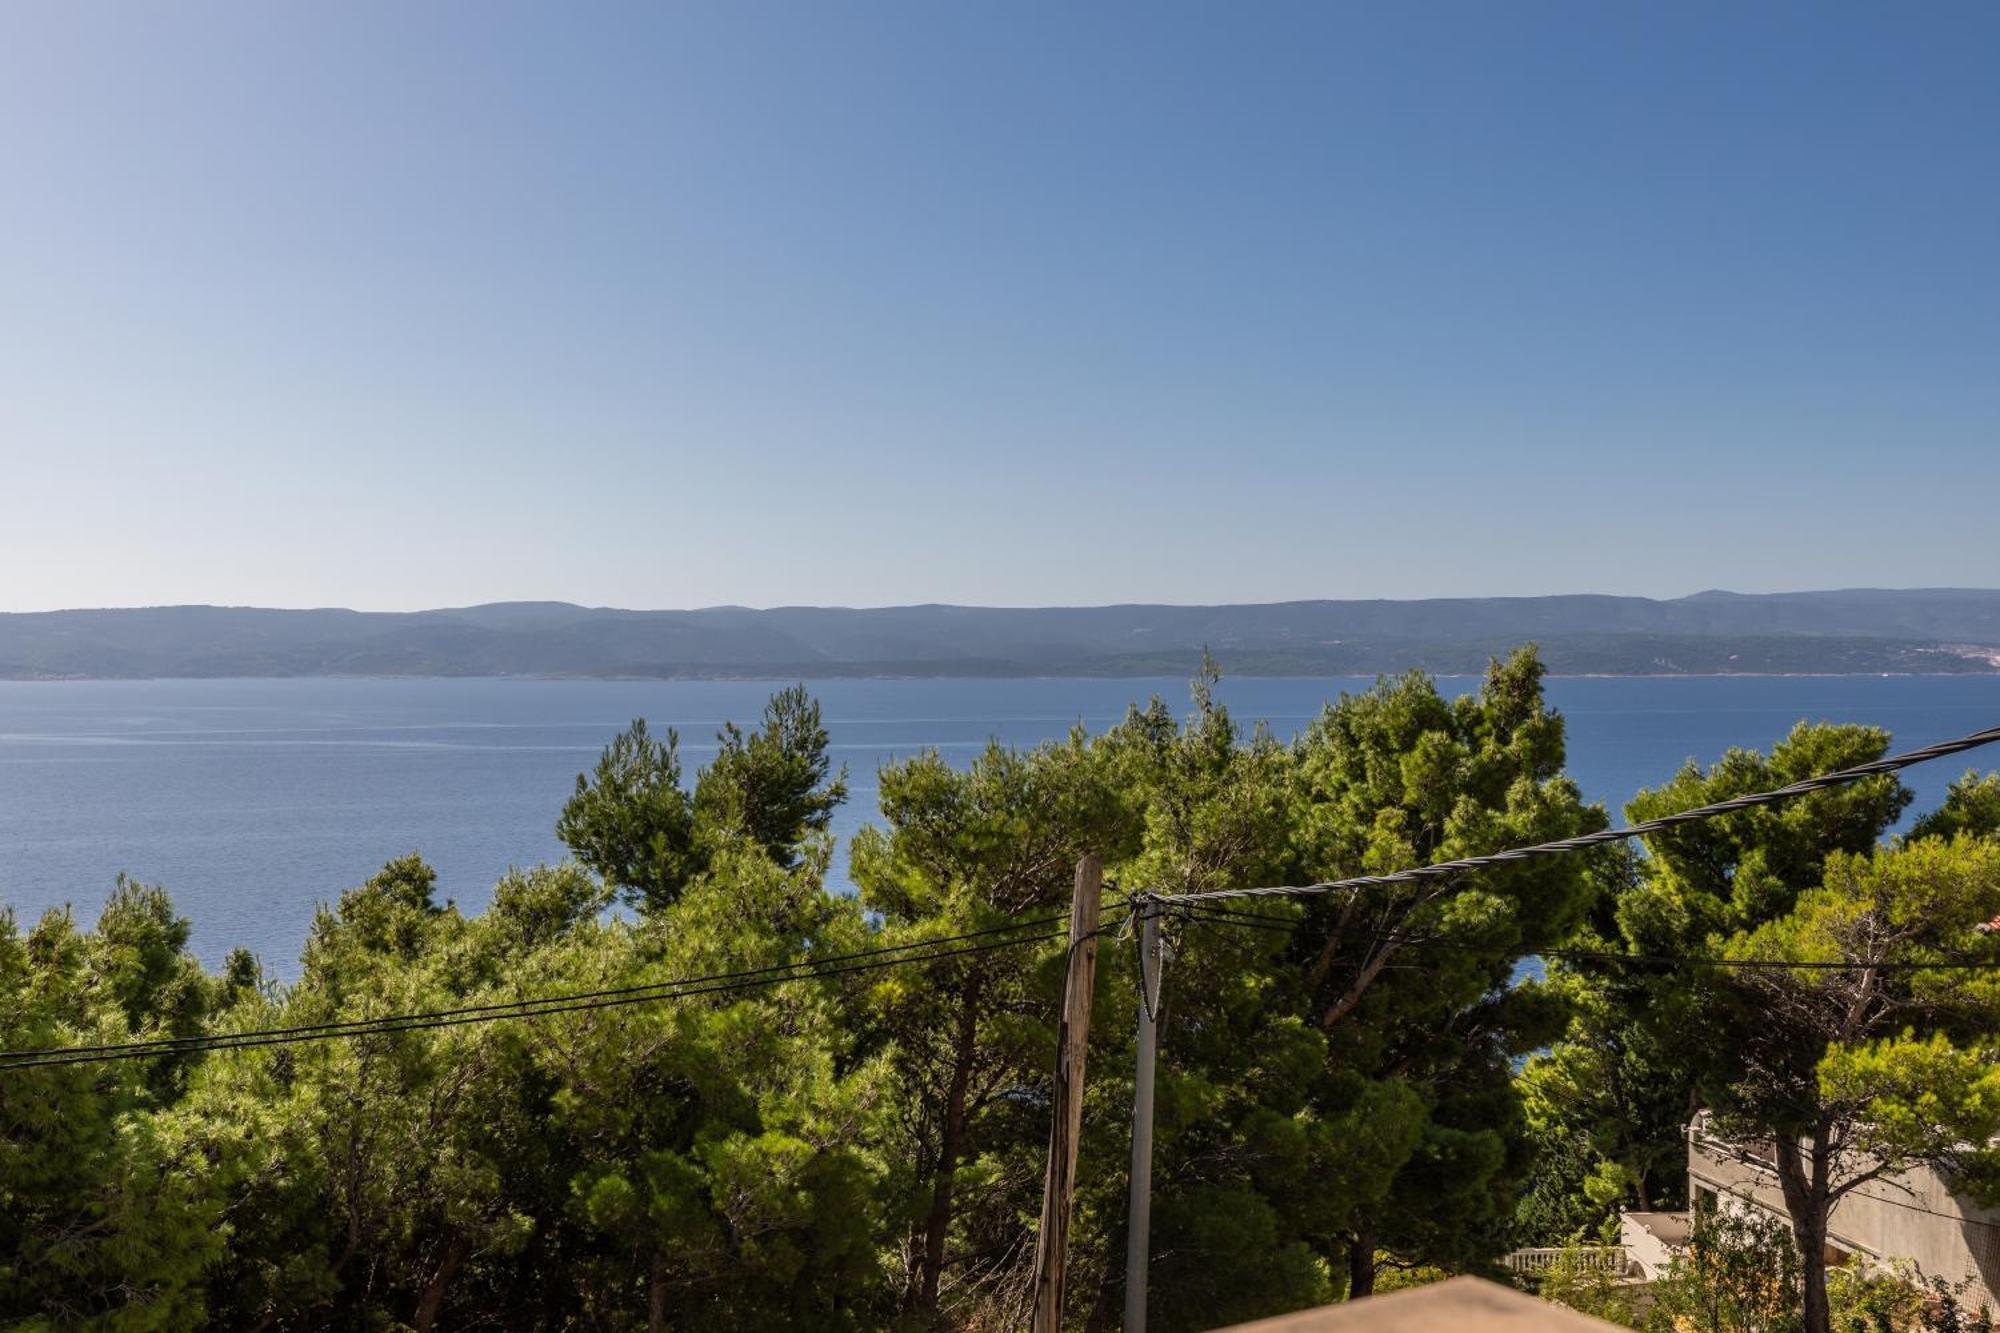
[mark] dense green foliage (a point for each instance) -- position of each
(1739, 1274)
(1869, 1057)
(1342, 1093)
(635, 823)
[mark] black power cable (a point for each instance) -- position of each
(1212, 916)
(755, 977)
(1875, 768)
(334, 1028)
(918, 951)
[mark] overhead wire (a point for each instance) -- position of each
(1274, 924)
(916, 951)
(897, 955)
(1210, 900)
(500, 1006)
(1840, 777)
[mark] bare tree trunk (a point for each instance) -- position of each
(1807, 1201)
(1361, 1264)
(1812, 1277)
(922, 1295)
(1103, 1317)
(1354, 994)
(656, 1294)
(434, 1291)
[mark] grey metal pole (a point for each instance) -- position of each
(1139, 1209)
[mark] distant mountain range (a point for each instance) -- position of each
(1853, 631)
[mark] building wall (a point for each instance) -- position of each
(1901, 1219)
(1651, 1241)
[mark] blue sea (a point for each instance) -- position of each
(252, 800)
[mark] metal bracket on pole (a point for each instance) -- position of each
(1139, 1210)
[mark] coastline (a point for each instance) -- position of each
(786, 678)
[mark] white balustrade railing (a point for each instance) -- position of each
(1593, 1258)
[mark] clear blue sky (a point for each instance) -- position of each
(396, 305)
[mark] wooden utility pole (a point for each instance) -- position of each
(1066, 1122)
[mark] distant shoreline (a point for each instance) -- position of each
(786, 678)
(1856, 632)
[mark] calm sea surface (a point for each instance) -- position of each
(251, 800)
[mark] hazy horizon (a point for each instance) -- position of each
(981, 606)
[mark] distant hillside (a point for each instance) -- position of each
(1854, 631)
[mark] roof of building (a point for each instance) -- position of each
(1458, 1305)
(1672, 1228)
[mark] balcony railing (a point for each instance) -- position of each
(1591, 1258)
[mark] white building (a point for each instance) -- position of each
(1897, 1221)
